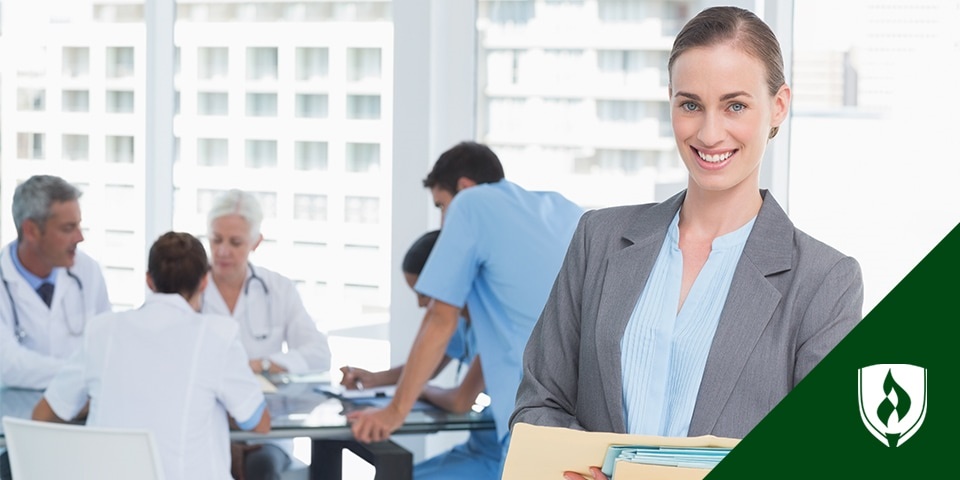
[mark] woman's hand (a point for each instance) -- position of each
(597, 475)
(357, 378)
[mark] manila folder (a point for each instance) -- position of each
(537, 453)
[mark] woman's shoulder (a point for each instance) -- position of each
(617, 217)
(619, 211)
(814, 253)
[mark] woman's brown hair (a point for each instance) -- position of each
(732, 24)
(177, 263)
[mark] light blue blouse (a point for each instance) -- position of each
(663, 352)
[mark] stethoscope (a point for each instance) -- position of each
(268, 303)
(18, 330)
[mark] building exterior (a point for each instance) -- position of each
(290, 100)
(579, 89)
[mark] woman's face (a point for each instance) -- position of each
(722, 114)
(230, 246)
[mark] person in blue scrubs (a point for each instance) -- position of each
(480, 456)
(499, 251)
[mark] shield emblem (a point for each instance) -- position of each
(893, 401)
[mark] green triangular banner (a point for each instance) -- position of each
(817, 430)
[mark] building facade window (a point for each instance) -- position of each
(213, 103)
(119, 149)
(30, 146)
(119, 101)
(261, 104)
(76, 62)
(361, 209)
(75, 147)
(213, 63)
(363, 157)
(31, 99)
(310, 155)
(120, 62)
(261, 154)
(262, 63)
(312, 105)
(363, 64)
(313, 63)
(75, 101)
(310, 207)
(363, 107)
(213, 152)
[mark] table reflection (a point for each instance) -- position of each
(298, 409)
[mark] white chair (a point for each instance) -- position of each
(52, 451)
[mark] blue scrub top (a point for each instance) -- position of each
(498, 253)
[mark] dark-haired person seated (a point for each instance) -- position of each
(481, 455)
(192, 366)
(498, 252)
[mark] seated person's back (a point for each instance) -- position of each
(165, 368)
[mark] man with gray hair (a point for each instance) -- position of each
(50, 287)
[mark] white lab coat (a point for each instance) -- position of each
(168, 369)
(286, 320)
(53, 333)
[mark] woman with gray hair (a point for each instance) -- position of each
(267, 308)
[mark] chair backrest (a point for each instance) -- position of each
(42, 451)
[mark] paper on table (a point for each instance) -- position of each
(382, 402)
(266, 385)
(546, 452)
(340, 391)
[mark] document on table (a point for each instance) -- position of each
(378, 397)
(341, 392)
(546, 452)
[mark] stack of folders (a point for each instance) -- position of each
(687, 457)
(545, 453)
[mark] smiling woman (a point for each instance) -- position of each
(713, 305)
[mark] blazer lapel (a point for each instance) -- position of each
(626, 276)
(748, 308)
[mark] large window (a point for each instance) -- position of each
(871, 162)
(290, 100)
(77, 72)
(288, 105)
(573, 96)
(295, 100)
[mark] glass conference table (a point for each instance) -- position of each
(300, 408)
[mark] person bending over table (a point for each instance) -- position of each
(480, 456)
(498, 252)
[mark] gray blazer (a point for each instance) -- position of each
(792, 300)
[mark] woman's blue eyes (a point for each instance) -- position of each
(693, 107)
